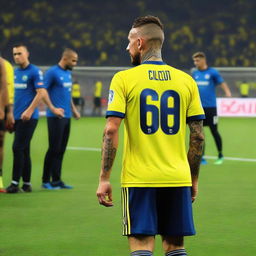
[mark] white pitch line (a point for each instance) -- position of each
(207, 157)
(233, 158)
(84, 149)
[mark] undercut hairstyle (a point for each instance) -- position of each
(20, 45)
(145, 20)
(68, 52)
(199, 55)
(150, 28)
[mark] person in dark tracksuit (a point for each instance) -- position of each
(29, 90)
(58, 81)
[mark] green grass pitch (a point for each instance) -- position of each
(68, 223)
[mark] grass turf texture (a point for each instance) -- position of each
(71, 222)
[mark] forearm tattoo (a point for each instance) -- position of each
(108, 153)
(195, 146)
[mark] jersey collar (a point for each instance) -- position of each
(154, 62)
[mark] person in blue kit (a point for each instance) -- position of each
(29, 91)
(207, 79)
(58, 81)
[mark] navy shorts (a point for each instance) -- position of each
(150, 211)
(211, 117)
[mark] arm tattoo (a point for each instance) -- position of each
(108, 153)
(196, 145)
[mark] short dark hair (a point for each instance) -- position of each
(149, 19)
(68, 51)
(20, 45)
(199, 55)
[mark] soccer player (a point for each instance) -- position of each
(76, 97)
(29, 90)
(58, 81)
(159, 179)
(7, 100)
(207, 79)
(97, 99)
(3, 89)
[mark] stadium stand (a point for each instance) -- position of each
(99, 31)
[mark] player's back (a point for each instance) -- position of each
(157, 100)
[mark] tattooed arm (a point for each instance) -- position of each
(109, 148)
(195, 152)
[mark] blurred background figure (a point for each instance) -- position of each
(7, 99)
(28, 82)
(58, 81)
(244, 89)
(97, 99)
(3, 89)
(78, 100)
(207, 79)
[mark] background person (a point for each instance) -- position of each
(3, 100)
(78, 100)
(58, 81)
(207, 79)
(97, 99)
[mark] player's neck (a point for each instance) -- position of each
(204, 67)
(24, 65)
(151, 55)
(62, 65)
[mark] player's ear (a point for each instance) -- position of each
(140, 43)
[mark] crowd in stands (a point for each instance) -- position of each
(98, 29)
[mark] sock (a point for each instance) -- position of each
(179, 252)
(27, 183)
(1, 182)
(15, 183)
(142, 253)
(220, 155)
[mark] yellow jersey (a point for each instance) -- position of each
(76, 93)
(244, 89)
(98, 89)
(10, 80)
(155, 100)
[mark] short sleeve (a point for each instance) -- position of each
(195, 110)
(116, 98)
(218, 79)
(38, 79)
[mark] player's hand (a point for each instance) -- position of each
(104, 193)
(194, 191)
(26, 115)
(9, 123)
(228, 95)
(76, 114)
(59, 112)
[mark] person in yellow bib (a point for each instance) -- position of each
(244, 89)
(97, 99)
(78, 100)
(159, 178)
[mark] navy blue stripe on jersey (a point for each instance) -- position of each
(154, 62)
(115, 113)
(193, 118)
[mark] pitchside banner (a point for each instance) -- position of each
(237, 107)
